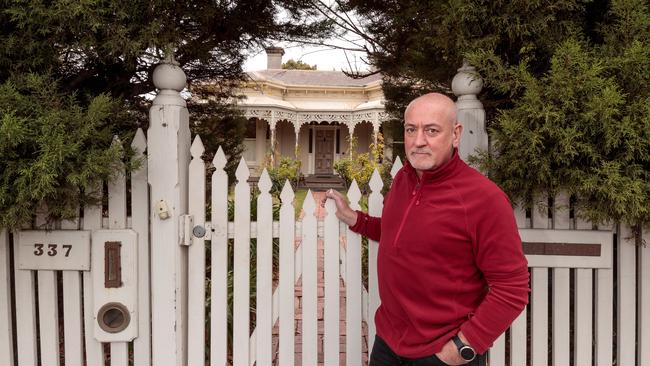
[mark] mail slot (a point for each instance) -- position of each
(115, 283)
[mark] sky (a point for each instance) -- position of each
(324, 58)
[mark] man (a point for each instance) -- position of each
(452, 274)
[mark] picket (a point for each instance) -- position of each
(309, 283)
(583, 309)
(644, 301)
(375, 207)
(219, 263)
(72, 320)
(264, 315)
(539, 295)
(6, 332)
(497, 354)
(518, 331)
(117, 220)
(241, 263)
(353, 313)
(561, 291)
(626, 295)
(140, 224)
(25, 313)
(196, 256)
(331, 311)
(286, 281)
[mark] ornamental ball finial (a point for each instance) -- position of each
(467, 81)
(169, 76)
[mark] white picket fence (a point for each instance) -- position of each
(570, 316)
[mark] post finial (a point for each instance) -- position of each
(170, 80)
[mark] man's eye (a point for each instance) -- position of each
(430, 131)
(410, 130)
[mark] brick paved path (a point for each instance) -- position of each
(320, 213)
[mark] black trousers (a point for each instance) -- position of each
(382, 355)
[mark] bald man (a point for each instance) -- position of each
(452, 274)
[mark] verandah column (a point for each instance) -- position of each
(168, 151)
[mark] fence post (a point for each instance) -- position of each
(168, 143)
(466, 85)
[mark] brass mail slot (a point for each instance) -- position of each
(112, 264)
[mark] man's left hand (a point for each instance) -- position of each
(449, 353)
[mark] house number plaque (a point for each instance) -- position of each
(67, 250)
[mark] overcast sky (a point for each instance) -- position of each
(324, 58)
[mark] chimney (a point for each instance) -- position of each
(274, 57)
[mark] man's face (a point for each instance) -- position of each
(430, 133)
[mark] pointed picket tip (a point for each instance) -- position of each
(117, 142)
(397, 165)
(376, 184)
(219, 161)
(287, 194)
(308, 205)
(139, 142)
(197, 148)
(242, 173)
(354, 194)
(264, 183)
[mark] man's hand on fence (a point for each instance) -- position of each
(343, 210)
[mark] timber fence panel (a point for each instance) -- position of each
(561, 291)
(140, 224)
(626, 295)
(196, 259)
(48, 309)
(583, 308)
(219, 263)
(117, 220)
(241, 267)
(72, 314)
(94, 350)
(644, 301)
(518, 331)
(332, 291)
(6, 332)
(539, 294)
(375, 207)
(309, 283)
(264, 316)
(353, 293)
(286, 282)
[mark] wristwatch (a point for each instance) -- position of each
(466, 351)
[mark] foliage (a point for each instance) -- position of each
(52, 150)
(286, 168)
(291, 64)
(360, 167)
(103, 53)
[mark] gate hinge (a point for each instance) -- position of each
(185, 232)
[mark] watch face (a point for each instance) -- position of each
(467, 353)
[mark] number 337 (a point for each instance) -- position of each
(51, 249)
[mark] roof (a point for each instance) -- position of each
(312, 78)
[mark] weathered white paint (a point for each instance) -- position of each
(140, 224)
(583, 310)
(353, 290)
(264, 316)
(48, 309)
(309, 283)
(467, 84)
(72, 319)
(196, 256)
(626, 295)
(497, 354)
(539, 295)
(241, 263)
(375, 207)
(219, 261)
(168, 145)
(6, 332)
(286, 281)
(52, 255)
(644, 301)
(518, 336)
(332, 305)
(561, 293)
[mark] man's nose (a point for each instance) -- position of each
(420, 137)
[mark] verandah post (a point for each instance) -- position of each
(168, 151)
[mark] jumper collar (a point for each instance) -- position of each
(439, 173)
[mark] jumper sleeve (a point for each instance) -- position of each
(368, 226)
(500, 257)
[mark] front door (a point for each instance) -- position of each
(324, 151)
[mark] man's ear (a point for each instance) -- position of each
(456, 133)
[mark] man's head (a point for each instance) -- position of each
(431, 131)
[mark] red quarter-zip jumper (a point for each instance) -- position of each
(450, 258)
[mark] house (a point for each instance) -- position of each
(309, 115)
